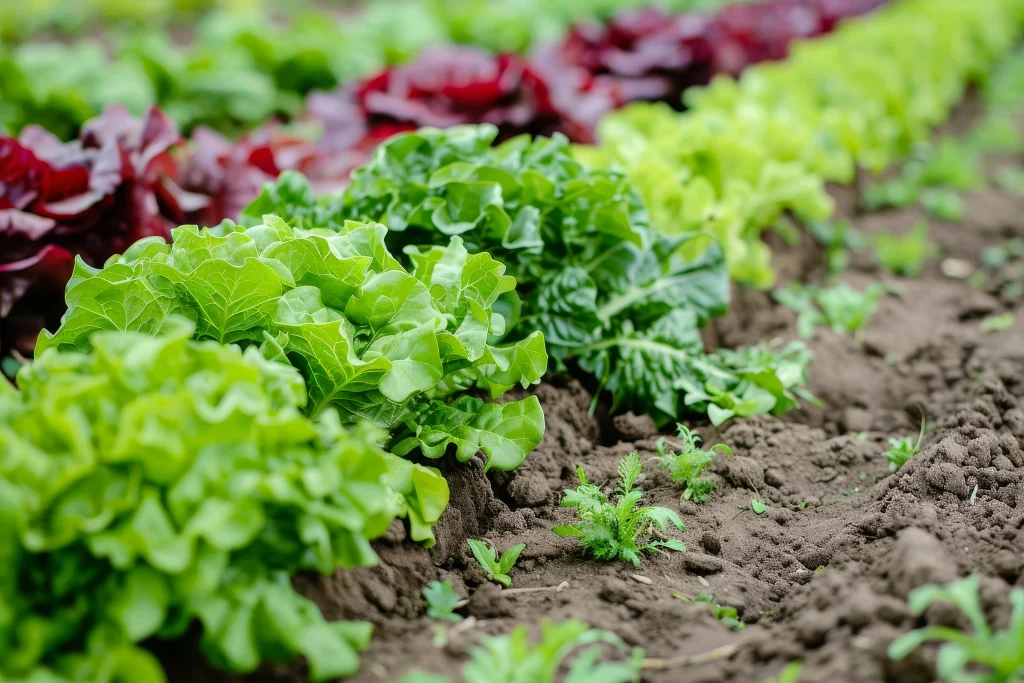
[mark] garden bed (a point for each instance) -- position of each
(823, 574)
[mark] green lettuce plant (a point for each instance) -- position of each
(609, 294)
(372, 340)
(154, 482)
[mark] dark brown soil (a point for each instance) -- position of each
(826, 584)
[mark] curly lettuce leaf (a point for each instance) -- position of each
(593, 276)
(372, 340)
(154, 481)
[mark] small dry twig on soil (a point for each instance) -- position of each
(723, 652)
(538, 589)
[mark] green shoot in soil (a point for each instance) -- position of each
(841, 308)
(620, 531)
(998, 323)
(686, 466)
(791, 674)
(902, 450)
(727, 615)
(487, 555)
(758, 507)
(944, 204)
(838, 238)
(904, 255)
(962, 655)
(441, 601)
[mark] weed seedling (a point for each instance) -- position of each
(685, 466)
(727, 615)
(963, 655)
(791, 674)
(841, 308)
(441, 601)
(620, 531)
(902, 450)
(487, 555)
(758, 507)
(998, 323)
(944, 204)
(904, 255)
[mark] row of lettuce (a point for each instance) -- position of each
(421, 22)
(241, 69)
(219, 412)
(124, 178)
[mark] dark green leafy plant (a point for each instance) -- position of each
(373, 340)
(569, 652)
(840, 307)
(902, 450)
(983, 656)
(686, 465)
(610, 294)
(155, 482)
(441, 601)
(497, 569)
(621, 531)
(727, 615)
(904, 255)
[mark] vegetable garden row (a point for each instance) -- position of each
(412, 228)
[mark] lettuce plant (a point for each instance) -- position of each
(609, 294)
(93, 197)
(156, 481)
(372, 340)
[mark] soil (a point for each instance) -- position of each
(823, 575)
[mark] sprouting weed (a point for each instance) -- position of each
(441, 601)
(725, 614)
(487, 555)
(905, 255)
(620, 531)
(902, 450)
(686, 465)
(963, 656)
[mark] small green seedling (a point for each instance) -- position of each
(904, 255)
(569, 652)
(963, 656)
(758, 507)
(799, 507)
(685, 466)
(944, 204)
(441, 601)
(727, 615)
(998, 323)
(841, 308)
(791, 674)
(621, 531)
(487, 555)
(838, 238)
(1010, 179)
(902, 450)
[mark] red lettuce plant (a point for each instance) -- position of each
(92, 197)
(650, 55)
